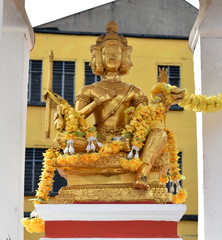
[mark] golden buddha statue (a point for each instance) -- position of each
(108, 101)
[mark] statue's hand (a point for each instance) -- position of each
(177, 95)
(107, 96)
(59, 121)
(56, 99)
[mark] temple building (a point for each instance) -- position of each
(159, 36)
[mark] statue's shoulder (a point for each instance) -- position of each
(138, 90)
(84, 94)
(86, 89)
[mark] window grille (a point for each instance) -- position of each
(35, 82)
(173, 74)
(64, 79)
(33, 166)
(90, 78)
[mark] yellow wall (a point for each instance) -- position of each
(146, 55)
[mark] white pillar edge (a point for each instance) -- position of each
(194, 34)
(111, 212)
(16, 40)
(20, 22)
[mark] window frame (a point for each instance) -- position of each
(30, 102)
(63, 73)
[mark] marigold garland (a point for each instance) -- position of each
(72, 160)
(46, 179)
(174, 174)
(131, 164)
(161, 92)
(199, 103)
(180, 197)
(141, 120)
(36, 224)
(75, 123)
(33, 225)
(110, 148)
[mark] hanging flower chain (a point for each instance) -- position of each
(141, 120)
(199, 103)
(34, 224)
(174, 175)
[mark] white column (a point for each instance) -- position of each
(206, 38)
(15, 46)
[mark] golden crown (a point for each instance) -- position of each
(111, 29)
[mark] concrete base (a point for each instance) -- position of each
(111, 221)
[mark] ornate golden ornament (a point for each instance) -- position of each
(112, 193)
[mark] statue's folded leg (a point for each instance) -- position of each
(153, 147)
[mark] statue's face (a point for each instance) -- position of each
(112, 56)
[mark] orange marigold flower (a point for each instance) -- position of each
(180, 197)
(94, 157)
(164, 180)
(85, 159)
(131, 165)
(61, 160)
(73, 159)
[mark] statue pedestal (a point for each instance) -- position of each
(111, 221)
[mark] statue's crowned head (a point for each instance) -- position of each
(111, 52)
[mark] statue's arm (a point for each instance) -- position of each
(140, 99)
(83, 107)
(85, 104)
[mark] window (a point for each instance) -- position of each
(64, 79)
(173, 74)
(35, 82)
(33, 166)
(90, 78)
(174, 79)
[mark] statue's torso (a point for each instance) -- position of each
(118, 104)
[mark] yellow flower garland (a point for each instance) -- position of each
(161, 93)
(110, 148)
(174, 171)
(131, 164)
(46, 179)
(75, 123)
(33, 225)
(180, 197)
(72, 160)
(105, 150)
(36, 224)
(199, 103)
(141, 120)
(139, 123)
